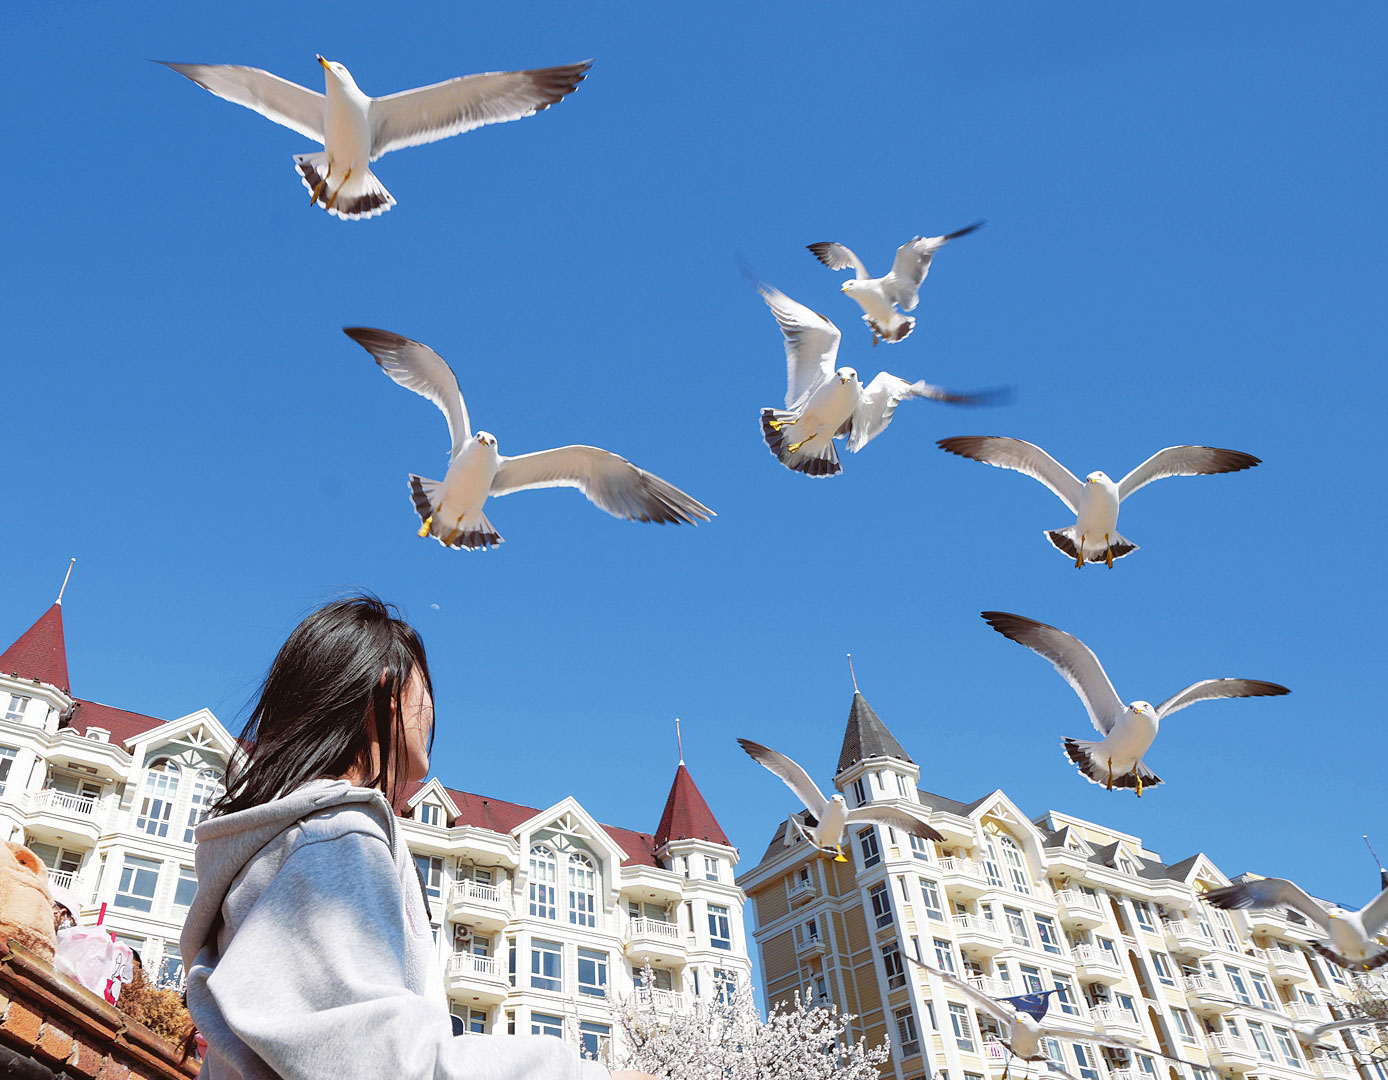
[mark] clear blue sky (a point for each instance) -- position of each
(1185, 243)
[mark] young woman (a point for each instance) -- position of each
(308, 947)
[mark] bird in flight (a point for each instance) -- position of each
(1349, 935)
(356, 129)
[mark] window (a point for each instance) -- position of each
(1065, 995)
(916, 950)
(430, 813)
(430, 869)
(474, 1020)
(660, 979)
(592, 972)
(206, 787)
(1184, 1027)
(6, 762)
(161, 788)
(541, 1024)
(930, 1015)
(1125, 1002)
(920, 848)
(1226, 930)
(1084, 1060)
(1018, 927)
(1045, 931)
(859, 795)
(867, 840)
(930, 895)
(1147, 1066)
(1110, 949)
(810, 931)
(902, 788)
(593, 1039)
(1144, 916)
(1031, 979)
(991, 870)
(1237, 984)
(1053, 1050)
(944, 955)
(1260, 1040)
(1264, 992)
(546, 965)
(821, 990)
(1288, 1047)
(139, 878)
(881, 905)
(1125, 865)
(1016, 865)
(720, 931)
(15, 710)
(963, 1029)
(186, 887)
(582, 891)
(1162, 964)
(906, 1031)
(724, 985)
(511, 960)
(891, 963)
(544, 875)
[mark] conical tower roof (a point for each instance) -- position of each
(687, 816)
(40, 652)
(867, 737)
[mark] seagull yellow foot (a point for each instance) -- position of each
(1139, 784)
(424, 529)
(775, 425)
(1110, 774)
(317, 190)
(793, 447)
(338, 192)
(1108, 558)
(840, 857)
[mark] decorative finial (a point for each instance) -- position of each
(852, 673)
(65, 577)
(1382, 873)
(679, 742)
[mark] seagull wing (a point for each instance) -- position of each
(1074, 660)
(1024, 457)
(1319, 1032)
(895, 817)
(812, 344)
(611, 483)
(794, 775)
(1117, 1042)
(417, 367)
(837, 257)
(1268, 893)
(296, 107)
(429, 113)
(1208, 689)
(879, 399)
(1184, 461)
(912, 264)
(1375, 914)
(998, 1010)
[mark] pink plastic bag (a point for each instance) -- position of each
(90, 955)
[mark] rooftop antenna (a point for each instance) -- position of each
(852, 673)
(679, 742)
(65, 577)
(1382, 873)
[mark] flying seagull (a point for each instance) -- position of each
(1094, 537)
(824, 404)
(830, 819)
(1349, 935)
(878, 297)
(1313, 1034)
(451, 509)
(1127, 730)
(1023, 1034)
(355, 129)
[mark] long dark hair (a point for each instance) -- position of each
(311, 719)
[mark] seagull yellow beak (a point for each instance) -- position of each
(323, 62)
(843, 287)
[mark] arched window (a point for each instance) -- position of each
(1016, 864)
(582, 891)
(161, 791)
(207, 785)
(544, 874)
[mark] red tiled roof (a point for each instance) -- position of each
(121, 723)
(40, 652)
(687, 816)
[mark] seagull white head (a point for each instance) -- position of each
(1097, 478)
(838, 799)
(1144, 707)
(847, 375)
(485, 438)
(338, 73)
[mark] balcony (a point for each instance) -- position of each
(1231, 1052)
(1287, 967)
(660, 1000)
(486, 907)
(1267, 921)
(994, 988)
(994, 1052)
(977, 937)
(1186, 938)
(1079, 910)
(802, 889)
(1095, 965)
(1333, 1068)
(810, 946)
(56, 813)
(1111, 1020)
(476, 979)
(963, 878)
(660, 942)
(1206, 995)
(1303, 1013)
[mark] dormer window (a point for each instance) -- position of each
(859, 793)
(15, 710)
(430, 814)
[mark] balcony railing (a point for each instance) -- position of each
(1091, 956)
(51, 798)
(994, 988)
(63, 878)
(465, 964)
(1112, 1016)
(1078, 901)
(1333, 1067)
(660, 999)
(965, 868)
(993, 1050)
(467, 889)
(644, 927)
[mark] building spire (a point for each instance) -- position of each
(852, 674)
(70, 565)
(679, 742)
(1382, 873)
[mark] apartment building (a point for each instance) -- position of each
(1018, 905)
(540, 914)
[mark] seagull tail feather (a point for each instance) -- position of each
(815, 457)
(1067, 540)
(895, 329)
(1095, 770)
(357, 198)
(471, 532)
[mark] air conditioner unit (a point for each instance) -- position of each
(463, 934)
(97, 734)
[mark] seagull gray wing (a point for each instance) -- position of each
(812, 344)
(1208, 689)
(1117, 1042)
(1319, 1032)
(417, 367)
(838, 257)
(878, 400)
(1375, 914)
(1023, 457)
(998, 1010)
(795, 777)
(912, 264)
(1269, 893)
(1071, 657)
(296, 107)
(1054, 1067)
(429, 113)
(611, 483)
(1185, 461)
(895, 817)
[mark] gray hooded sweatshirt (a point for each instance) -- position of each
(309, 953)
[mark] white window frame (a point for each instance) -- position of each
(583, 895)
(183, 896)
(160, 792)
(881, 905)
(132, 875)
(720, 928)
(544, 881)
(596, 961)
(545, 1024)
(907, 1031)
(544, 956)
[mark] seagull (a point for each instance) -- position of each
(829, 819)
(451, 509)
(1094, 537)
(878, 297)
(1024, 1034)
(1128, 730)
(1313, 1034)
(824, 403)
(355, 129)
(1349, 934)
